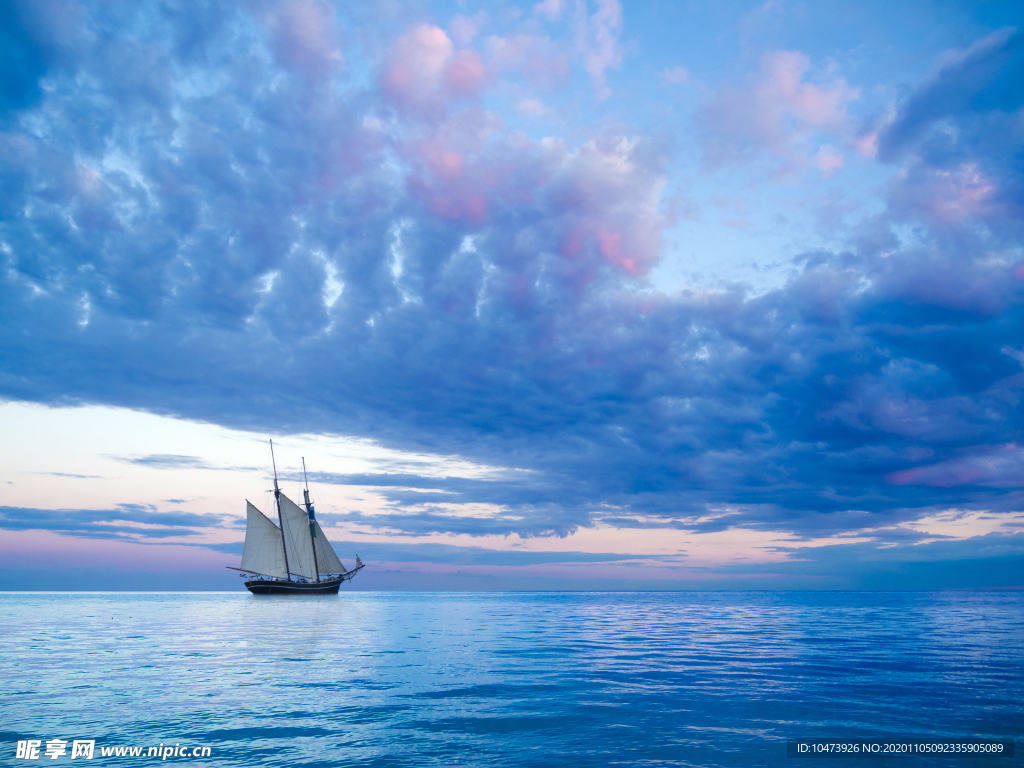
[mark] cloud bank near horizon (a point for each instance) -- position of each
(273, 217)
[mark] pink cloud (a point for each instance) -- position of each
(417, 62)
(950, 196)
(465, 28)
(610, 244)
(598, 204)
(537, 57)
(465, 74)
(776, 111)
(444, 163)
(574, 240)
(867, 144)
(452, 185)
(614, 205)
(531, 108)
(828, 160)
(423, 69)
(593, 208)
(550, 9)
(968, 193)
(995, 466)
(460, 205)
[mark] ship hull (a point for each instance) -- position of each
(276, 587)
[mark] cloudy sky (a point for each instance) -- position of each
(559, 294)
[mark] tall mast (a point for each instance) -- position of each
(280, 520)
(309, 514)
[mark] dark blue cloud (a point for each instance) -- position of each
(197, 221)
(982, 562)
(165, 461)
(959, 137)
(530, 501)
(175, 461)
(26, 52)
(992, 561)
(979, 81)
(109, 523)
(374, 552)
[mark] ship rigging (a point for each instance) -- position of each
(292, 556)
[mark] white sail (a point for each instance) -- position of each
(326, 558)
(297, 539)
(262, 553)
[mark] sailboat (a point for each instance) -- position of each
(301, 561)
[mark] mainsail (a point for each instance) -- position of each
(297, 538)
(262, 553)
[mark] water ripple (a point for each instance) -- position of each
(501, 679)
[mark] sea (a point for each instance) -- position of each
(504, 678)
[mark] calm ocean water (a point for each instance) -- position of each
(503, 679)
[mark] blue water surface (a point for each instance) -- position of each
(508, 679)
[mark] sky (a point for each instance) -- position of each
(556, 295)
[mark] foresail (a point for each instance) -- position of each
(296, 532)
(262, 552)
(326, 558)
